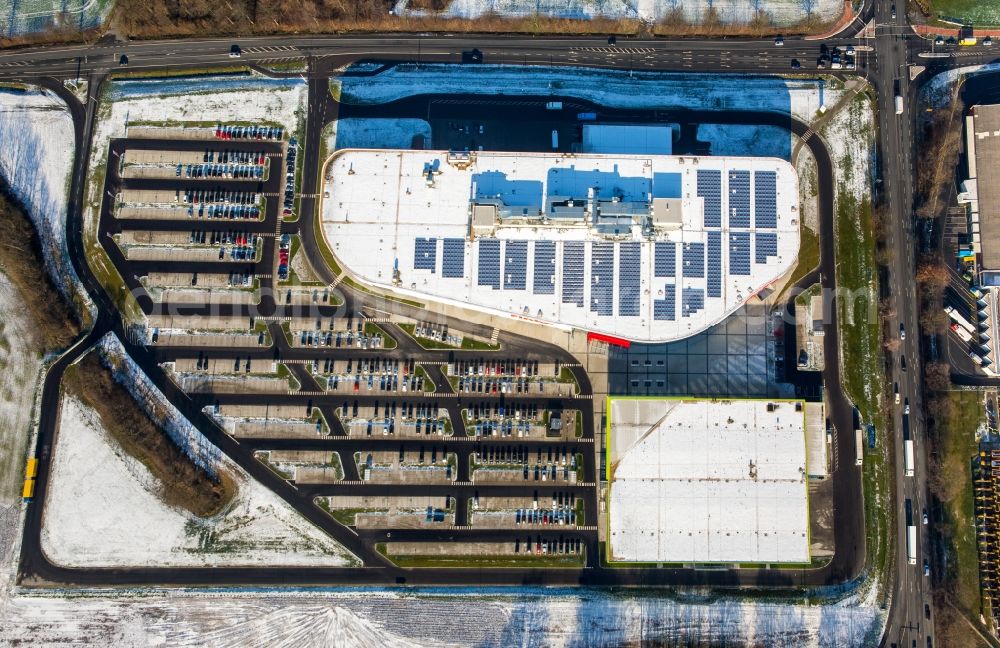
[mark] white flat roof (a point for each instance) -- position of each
(379, 204)
(704, 481)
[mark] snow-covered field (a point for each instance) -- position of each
(612, 88)
(103, 510)
(21, 17)
(192, 100)
(850, 136)
(781, 12)
(18, 380)
(359, 618)
(755, 141)
(936, 93)
(36, 159)
(376, 133)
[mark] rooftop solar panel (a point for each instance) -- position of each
(572, 274)
(489, 263)
(710, 190)
(544, 268)
(453, 258)
(425, 254)
(665, 259)
(692, 301)
(629, 276)
(765, 195)
(766, 246)
(602, 273)
(665, 309)
(739, 253)
(714, 282)
(693, 257)
(515, 266)
(739, 198)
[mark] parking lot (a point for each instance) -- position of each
(202, 231)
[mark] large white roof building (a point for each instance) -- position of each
(707, 481)
(645, 247)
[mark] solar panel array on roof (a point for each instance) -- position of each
(710, 189)
(489, 263)
(766, 246)
(692, 301)
(665, 259)
(665, 309)
(602, 278)
(739, 198)
(694, 260)
(714, 282)
(544, 282)
(425, 254)
(453, 258)
(765, 195)
(572, 275)
(629, 273)
(515, 265)
(739, 253)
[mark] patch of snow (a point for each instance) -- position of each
(36, 159)
(750, 141)
(779, 12)
(21, 366)
(375, 618)
(180, 430)
(937, 92)
(362, 133)
(612, 88)
(850, 137)
(35, 16)
(250, 98)
(103, 511)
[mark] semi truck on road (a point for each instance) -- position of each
(908, 457)
(911, 544)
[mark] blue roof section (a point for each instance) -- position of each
(516, 193)
(667, 185)
(576, 183)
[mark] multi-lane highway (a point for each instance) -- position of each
(886, 66)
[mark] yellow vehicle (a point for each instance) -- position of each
(28, 492)
(31, 470)
(968, 40)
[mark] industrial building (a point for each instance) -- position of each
(981, 190)
(707, 481)
(979, 253)
(643, 247)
